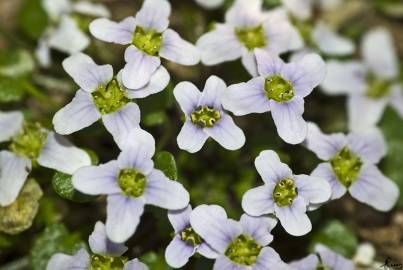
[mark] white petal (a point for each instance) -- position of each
(187, 95)
(281, 36)
(373, 108)
(380, 54)
(308, 263)
(141, 140)
(258, 228)
(154, 15)
(100, 243)
(269, 259)
(212, 92)
(59, 154)
(226, 133)
(268, 63)
(180, 219)
(42, 53)
(178, 252)
(135, 264)
(374, 189)
(95, 180)
(302, 9)
(138, 158)
(332, 259)
(245, 98)
(78, 114)
(259, 201)
(56, 8)
(13, 173)
(396, 100)
(250, 64)
(220, 45)
(116, 32)
(165, 193)
(191, 137)
(91, 9)
(158, 81)
(369, 145)
(287, 116)
(206, 251)
(122, 217)
(178, 50)
(86, 73)
(224, 263)
(59, 261)
(244, 13)
(330, 42)
(325, 171)
(210, 4)
(139, 68)
(313, 189)
(121, 122)
(293, 218)
(10, 124)
(270, 167)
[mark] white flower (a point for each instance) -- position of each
(32, 143)
(246, 27)
(350, 164)
(371, 84)
(205, 117)
(104, 252)
(130, 182)
(148, 38)
(286, 195)
(241, 245)
(279, 88)
(210, 4)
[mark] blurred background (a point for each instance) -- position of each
(213, 175)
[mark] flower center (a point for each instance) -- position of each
(378, 88)
(28, 143)
(110, 98)
(321, 266)
(132, 182)
(205, 117)
(278, 89)
(148, 41)
(191, 237)
(252, 38)
(346, 165)
(99, 262)
(243, 250)
(285, 192)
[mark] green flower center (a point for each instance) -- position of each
(378, 88)
(243, 250)
(252, 38)
(285, 192)
(191, 237)
(148, 41)
(278, 89)
(99, 262)
(321, 266)
(346, 165)
(28, 143)
(205, 117)
(132, 182)
(110, 98)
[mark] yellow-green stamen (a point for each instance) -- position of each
(278, 89)
(205, 117)
(110, 98)
(346, 165)
(191, 237)
(285, 192)
(243, 250)
(132, 182)
(148, 41)
(252, 38)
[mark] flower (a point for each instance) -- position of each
(101, 95)
(370, 84)
(205, 117)
(281, 88)
(286, 195)
(32, 144)
(130, 182)
(324, 258)
(105, 254)
(350, 164)
(246, 28)
(210, 4)
(240, 244)
(186, 241)
(148, 38)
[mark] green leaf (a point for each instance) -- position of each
(165, 162)
(15, 63)
(63, 186)
(11, 89)
(337, 237)
(33, 18)
(154, 118)
(155, 261)
(53, 239)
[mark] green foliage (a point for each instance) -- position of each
(11, 89)
(15, 63)
(33, 18)
(54, 239)
(165, 162)
(63, 186)
(155, 261)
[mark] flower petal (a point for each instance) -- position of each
(212, 92)
(332, 259)
(165, 193)
(210, 4)
(91, 9)
(154, 15)
(206, 251)
(141, 140)
(293, 218)
(224, 263)
(281, 36)
(270, 167)
(122, 217)
(325, 171)
(370, 144)
(258, 228)
(191, 137)
(245, 13)
(308, 263)
(158, 81)
(180, 219)
(249, 62)
(78, 114)
(373, 108)
(59, 261)
(110, 31)
(269, 259)
(302, 9)
(10, 124)
(59, 154)
(374, 189)
(13, 173)
(135, 264)
(313, 189)
(268, 63)
(259, 201)
(226, 133)
(187, 95)
(178, 252)
(396, 100)
(178, 50)
(55, 9)
(138, 158)
(330, 42)
(100, 243)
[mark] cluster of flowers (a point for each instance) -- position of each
(131, 181)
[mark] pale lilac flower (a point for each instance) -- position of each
(186, 241)
(32, 143)
(102, 96)
(205, 117)
(350, 165)
(210, 4)
(148, 38)
(324, 258)
(130, 182)
(241, 245)
(284, 194)
(279, 88)
(370, 84)
(104, 252)
(246, 28)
